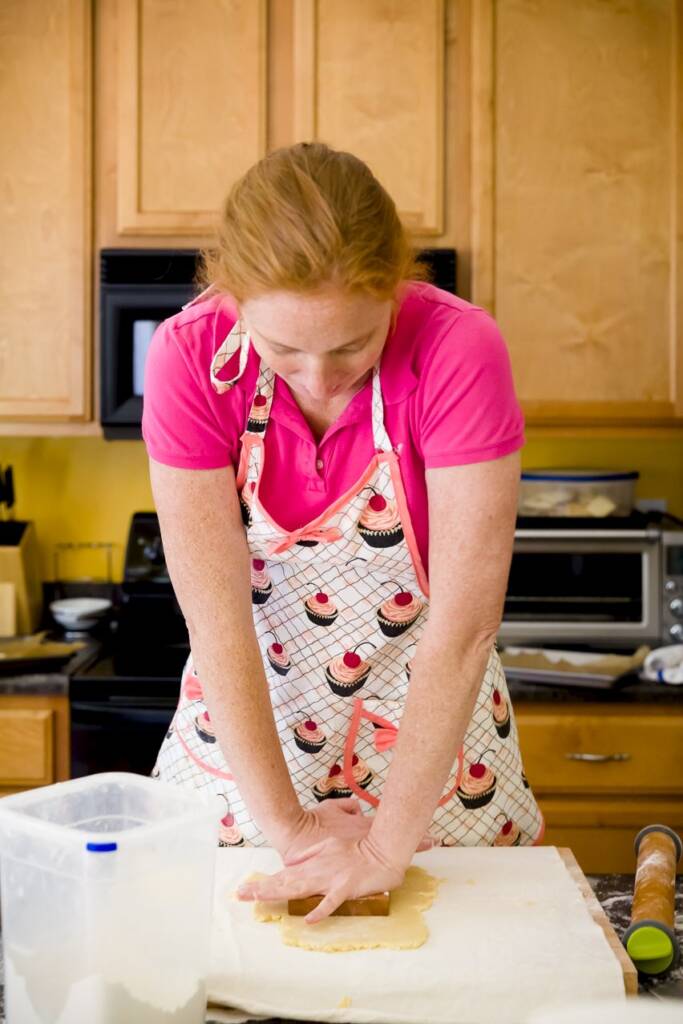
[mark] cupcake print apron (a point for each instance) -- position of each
(339, 607)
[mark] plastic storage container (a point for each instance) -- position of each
(591, 493)
(107, 886)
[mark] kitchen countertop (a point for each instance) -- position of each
(521, 692)
(614, 893)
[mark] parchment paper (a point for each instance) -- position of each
(509, 934)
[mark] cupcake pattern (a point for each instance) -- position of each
(261, 583)
(320, 609)
(397, 614)
(477, 786)
(347, 674)
(501, 713)
(337, 704)
(309, 737)
(380, 525)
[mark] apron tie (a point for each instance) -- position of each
(320, 535)
(385, 739)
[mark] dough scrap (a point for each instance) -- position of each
(403, 928)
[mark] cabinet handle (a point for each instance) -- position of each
(598, 757)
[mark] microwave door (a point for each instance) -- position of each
(583, 589)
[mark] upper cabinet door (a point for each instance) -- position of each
(191, 109)
(369, 78)
(577, 202)
(45, 223)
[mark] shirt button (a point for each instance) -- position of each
(319, 464)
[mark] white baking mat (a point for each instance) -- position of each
(509, 933)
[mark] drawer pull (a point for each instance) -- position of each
(598, 757)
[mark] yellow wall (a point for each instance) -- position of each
(86, 489)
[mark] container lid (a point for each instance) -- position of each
(578, 475)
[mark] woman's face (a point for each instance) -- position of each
(322, 343)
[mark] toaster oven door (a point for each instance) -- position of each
(585, 588)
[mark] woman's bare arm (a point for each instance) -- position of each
(472, 512)
(208, 563)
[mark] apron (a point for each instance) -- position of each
(339, 607)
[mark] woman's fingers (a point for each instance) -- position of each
(427, 842)
(327, 906)
(349, 804)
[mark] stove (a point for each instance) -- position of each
(123, 699)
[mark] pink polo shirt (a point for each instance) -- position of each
(448, 392)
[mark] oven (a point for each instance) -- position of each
(609, 585)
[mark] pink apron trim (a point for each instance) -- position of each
(387, 728)
(330, 511)
(406, 522)
(320, 535)
(202, 764)
(541, 832)
(246, 441)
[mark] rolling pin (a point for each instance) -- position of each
(376, 904)
(650, 939)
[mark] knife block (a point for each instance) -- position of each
(20, 565)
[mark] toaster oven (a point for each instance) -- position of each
(616, 584)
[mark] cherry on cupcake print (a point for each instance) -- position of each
(500, 713)
(320, 608)
(261, 583)
(478, 784)
(509, 834)
(398, 613)
(278, 657)
(380, 524)
(228, 832)
(258, 414)
(346, 673)
(333, 786)
(309, 737)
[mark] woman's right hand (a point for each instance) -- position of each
(341, 818)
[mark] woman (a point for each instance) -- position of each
(334, 456)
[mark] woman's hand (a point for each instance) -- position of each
(341, 868)
(341, 819)
(333, 818)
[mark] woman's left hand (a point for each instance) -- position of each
(339, 868)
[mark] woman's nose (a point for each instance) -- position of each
(319, 381)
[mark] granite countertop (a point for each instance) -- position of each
(614, 893)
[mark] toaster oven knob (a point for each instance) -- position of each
(676, 607)
(676, 632)
(670, 587)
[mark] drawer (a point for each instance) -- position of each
(601, 753)
(26, 747)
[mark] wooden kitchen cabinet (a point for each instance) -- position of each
(577, 200)
(197, 104)
(596, 807)
(34, 741)
(45, 218)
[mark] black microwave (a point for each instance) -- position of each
(141, 287)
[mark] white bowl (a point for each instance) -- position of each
(79, 612)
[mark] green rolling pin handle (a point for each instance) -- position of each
(652, 946)
(660, 828)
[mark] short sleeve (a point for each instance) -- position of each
(467, 406)
(182, 423)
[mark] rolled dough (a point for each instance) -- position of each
(403, 928)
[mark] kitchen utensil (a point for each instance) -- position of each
(376, 904)
(20, 565)
(590, 669)
(664, 665)
(597, 493)
(511, 929)
(20, 655)
(78, 614)
(106, 901)
(650, 939)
